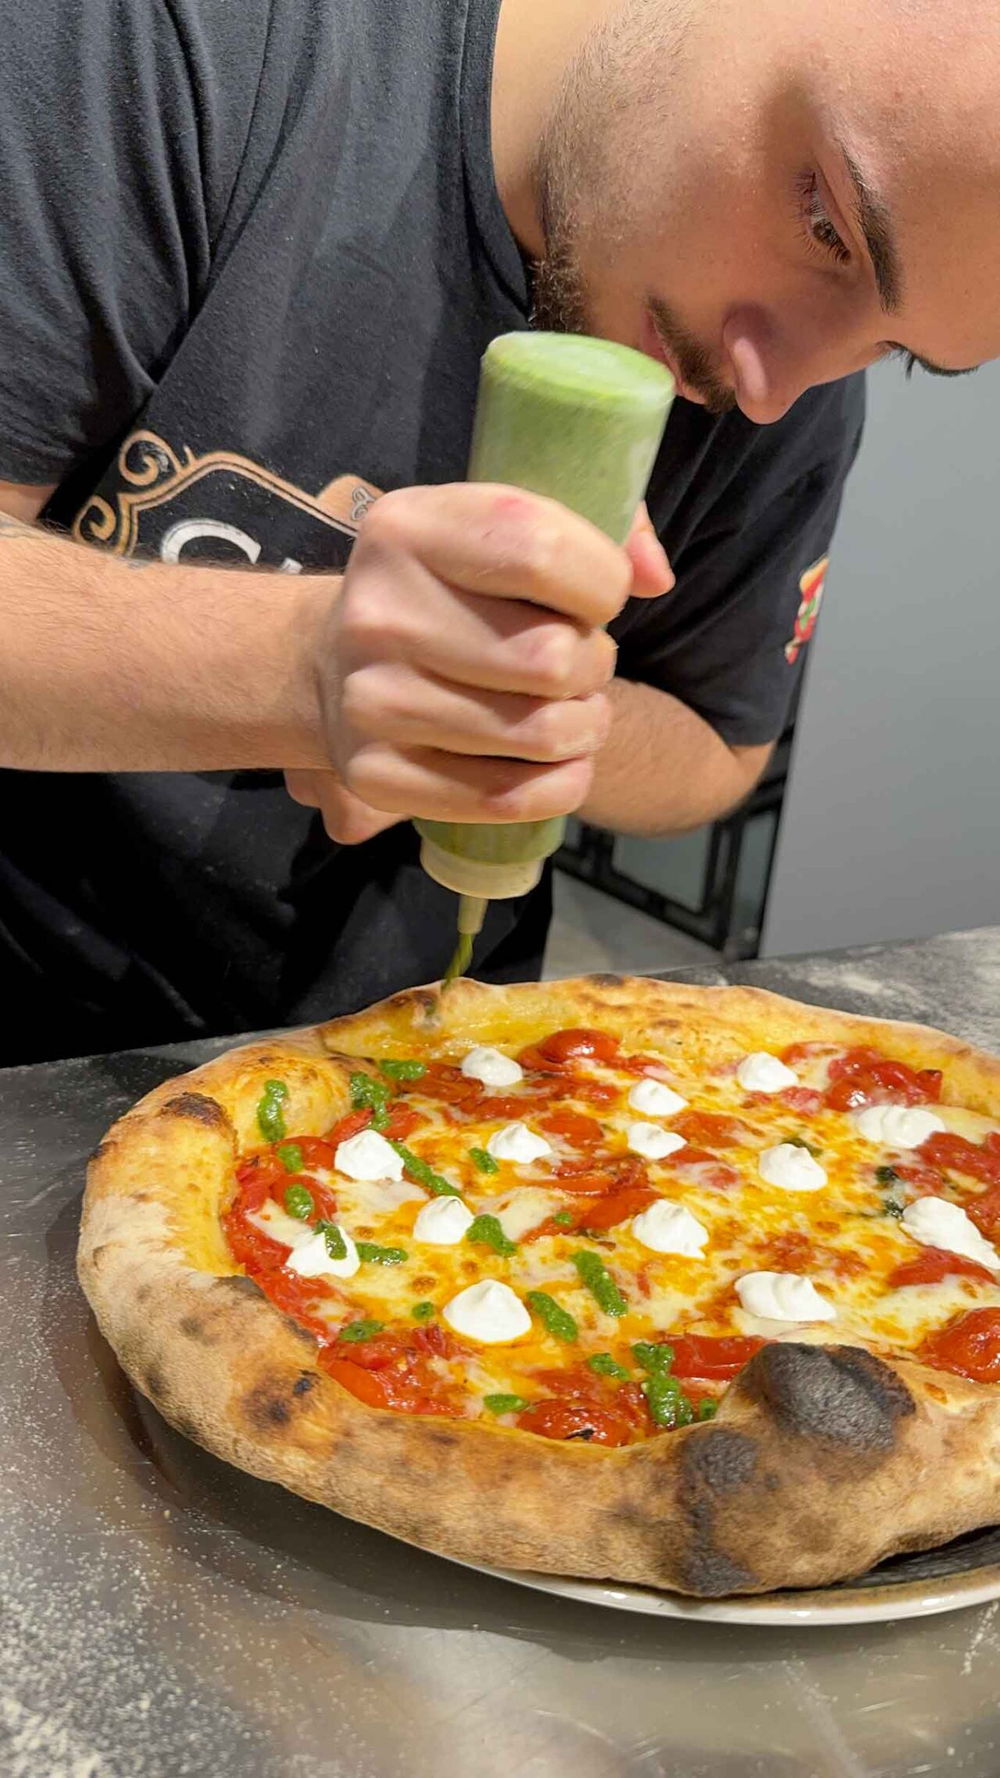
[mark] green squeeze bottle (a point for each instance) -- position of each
(579, 420)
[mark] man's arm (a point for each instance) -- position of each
(455, 670)
(173, 669)
(663, 769)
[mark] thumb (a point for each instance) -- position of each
(651, 571)
(345, 817)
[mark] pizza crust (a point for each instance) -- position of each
(823, 1459)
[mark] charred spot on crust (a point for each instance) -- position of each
(300, 1333)
(306, 1382)
(719, 1461)
(240, 1285)
(152, 1383)
(838, 1393)
(607, 981)
(440, 1436)
(104, 1148)
(199, 1108)
(713, 1464)
(709, 1571)
(266, 1407)
(194, 1327)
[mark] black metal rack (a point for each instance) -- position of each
(714, 917)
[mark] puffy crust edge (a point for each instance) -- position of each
(821, 1461)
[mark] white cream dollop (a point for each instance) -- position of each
(489, 1312)
(670, 1228)
(368, 1156)
(655, 1099)
(651, 1142)
(313, 1260)
(897, 1126)
(783, 1296)
(936, 1222)
(761, 1072)
(442, 1222)
(515, 1142)
(492, 1067)
(792, 1168)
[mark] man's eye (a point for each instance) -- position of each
(819, 230)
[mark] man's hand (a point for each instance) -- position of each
(465, 661)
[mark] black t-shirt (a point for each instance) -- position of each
(250, 256)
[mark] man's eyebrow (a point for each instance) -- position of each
(875, 224)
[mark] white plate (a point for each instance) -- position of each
(901, 1590)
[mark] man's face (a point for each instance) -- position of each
(774, 195)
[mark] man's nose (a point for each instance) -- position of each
(772, 366)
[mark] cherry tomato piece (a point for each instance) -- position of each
(592, 1092)
(594, 1177)
(863, 1077)
(984, 1211)
(934, 1264)
(597, 1213)
(969, 1345)
(711, 1356)
(566, 1046)
(573, 1126)
(403, 1120)
(351, 1125)
(802, 1099)
(581, 1420)
(259, 1176)
(798, 1053)
(927, 1179)
(697, 1167)
(250, 1246)
(317, 1151)
(956, 1153)
(406, 1392)
(709, 1129)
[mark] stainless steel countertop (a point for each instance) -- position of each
(162, 1614)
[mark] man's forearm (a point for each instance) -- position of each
(663, 769)
(111, 666)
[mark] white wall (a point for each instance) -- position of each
(891, 826)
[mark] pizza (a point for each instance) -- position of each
(697, 1288)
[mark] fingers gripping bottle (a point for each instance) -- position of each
(579, 420)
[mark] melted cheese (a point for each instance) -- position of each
(829, 1236)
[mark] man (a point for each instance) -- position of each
(251, 257)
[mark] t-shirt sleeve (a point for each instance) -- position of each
(120, 142)
(729, 640)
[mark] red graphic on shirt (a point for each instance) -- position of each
(811, 587)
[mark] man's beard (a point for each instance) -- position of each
(571, 160)
(559, 305)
